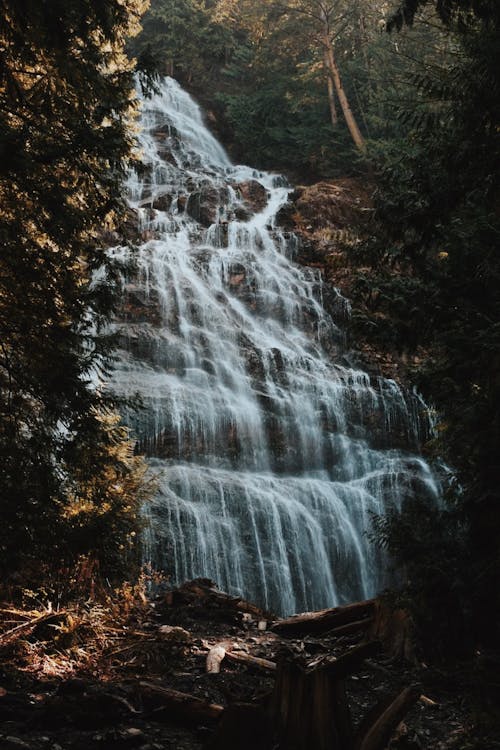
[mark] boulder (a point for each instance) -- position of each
(253, 194)
(162, 202)
(203, 204)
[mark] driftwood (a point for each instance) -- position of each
(183, 705)
(326, 620)
(428, 701)
(349, 662)
(308, 706)
(351, 627)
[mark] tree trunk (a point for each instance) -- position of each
(305, 707)
(331, 94)
(344, 102)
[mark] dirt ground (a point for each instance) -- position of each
(88, 677)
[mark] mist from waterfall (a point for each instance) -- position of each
(271, 453)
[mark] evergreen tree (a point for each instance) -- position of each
(65, 103)
(437, 270)
(184, 40)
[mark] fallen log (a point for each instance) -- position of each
(376, 730)
(205, 590)
(351, 661)
(351, 627)
(241, 657)
(325, 620)
(184, 705)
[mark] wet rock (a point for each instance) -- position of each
(203, 204)
(253, 194)
(173, 634)
(242, 214)
(128, 226)
(162, 202)
(236, 279)
(285, 217)
(159, 133)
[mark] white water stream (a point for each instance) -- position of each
(271, 452)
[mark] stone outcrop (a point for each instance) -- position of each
(253, 195)
(203, 203)
(332, 218)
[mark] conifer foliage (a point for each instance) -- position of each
(433, 271)
(69, 483)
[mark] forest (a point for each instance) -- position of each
(383, 118)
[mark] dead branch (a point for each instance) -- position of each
(25, 628)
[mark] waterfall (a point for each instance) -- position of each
(270, 452)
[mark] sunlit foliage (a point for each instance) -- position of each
(65, 104)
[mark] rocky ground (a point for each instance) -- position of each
(97, 676)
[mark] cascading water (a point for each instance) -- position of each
(270, 452)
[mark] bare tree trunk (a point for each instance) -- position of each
(344, 102)
(331, 94)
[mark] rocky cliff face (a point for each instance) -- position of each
(332, 218)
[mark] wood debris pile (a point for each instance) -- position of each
(198, 668)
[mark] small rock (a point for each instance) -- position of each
(174, 633)
(132, 732)
(132, 735)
